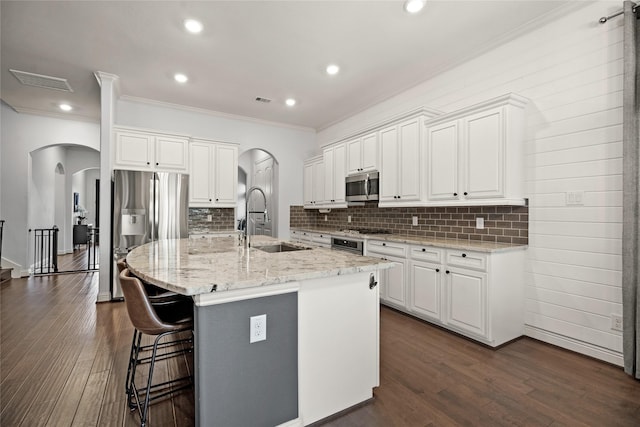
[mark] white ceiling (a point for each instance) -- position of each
(271, 49)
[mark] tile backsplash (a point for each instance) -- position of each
(221, 220)
(505, 224)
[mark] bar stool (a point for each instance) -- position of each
(146, 321)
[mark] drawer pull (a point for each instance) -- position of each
(437, 270)
(447, 272)
(424, 250)
(464, 255)
(384, 244)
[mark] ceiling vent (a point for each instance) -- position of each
(265, 100)
(39, 80)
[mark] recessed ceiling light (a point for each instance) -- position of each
(65, 107)
(193, 26)
(333, 69)
(181, 78)
(414, 6)
(290, 102)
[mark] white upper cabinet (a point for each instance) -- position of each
(334, 159)
(141, 150)
(400, 163)
(314, 183)
(213, 174)
(475, 156)
(362, 154)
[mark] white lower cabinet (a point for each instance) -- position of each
(477, 294)
(392, 281)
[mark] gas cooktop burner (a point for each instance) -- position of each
(365, 231)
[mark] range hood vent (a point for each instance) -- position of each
(39, 80)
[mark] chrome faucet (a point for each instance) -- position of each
(247, 243)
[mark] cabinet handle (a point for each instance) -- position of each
(372, 282)
(217, 200)
(424, 250)
(148, 163)
(384, 244)
(447, 271)
(437, 270)
(209, 199)
(455, 194)
(465, 193)
(157, 164)
(464, 255)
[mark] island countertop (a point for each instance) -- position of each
(204, 265)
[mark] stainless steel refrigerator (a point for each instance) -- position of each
(147, 206)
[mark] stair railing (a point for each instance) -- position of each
(45, 250)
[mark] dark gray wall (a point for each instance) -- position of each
(242, 384)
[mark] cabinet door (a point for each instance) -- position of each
(339, 159)
(354, 151)
(389, 165)
(226, 176)
(394, 283)
(425, 288)
(467, 300)
(409, 168)
(369, 154)
(201, 174)
(134, 150)
(318, 182)
(484, 149)
(171, 153)
(308, 184)
(442, 161)
(329, 176)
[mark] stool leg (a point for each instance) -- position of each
(147, 396)
(133, 364)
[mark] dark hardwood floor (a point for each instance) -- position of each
(63, 361)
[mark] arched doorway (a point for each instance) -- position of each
(54, 202)
(258, 168)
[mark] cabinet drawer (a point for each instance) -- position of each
(467, 259)
(426, 253)
(386, 248)
(323, 240)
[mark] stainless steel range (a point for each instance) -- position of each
(353, 243)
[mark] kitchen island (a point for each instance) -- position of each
(321, 324)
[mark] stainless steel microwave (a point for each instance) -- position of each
(362, 187)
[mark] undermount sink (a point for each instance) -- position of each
(281, 247)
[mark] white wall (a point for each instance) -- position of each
(290, 146)
(571, 69)
(20, 135)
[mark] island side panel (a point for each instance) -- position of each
(242, 384)
(339, 343)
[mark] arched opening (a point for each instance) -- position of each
(258, 168)
(53, 198)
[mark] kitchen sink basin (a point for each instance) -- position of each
(281, 247)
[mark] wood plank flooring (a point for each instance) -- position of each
(63, 362)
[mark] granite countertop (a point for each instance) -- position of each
(198, 266)
(466, 245)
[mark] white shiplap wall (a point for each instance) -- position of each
(571, 70)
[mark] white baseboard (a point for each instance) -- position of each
(104, 297)
(17, 270)
(572, 344)
(297, 422)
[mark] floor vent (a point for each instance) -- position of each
(39, 80)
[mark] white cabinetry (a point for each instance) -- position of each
(475, 156)
(362, 154)
(392, 281)
(400, 163)
(425, 282)
(313, 182)
(142, 150)
(213, 174)
(334, 174)
(316, 239)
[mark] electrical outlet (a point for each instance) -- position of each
(414, 221)
(258, 328)
(348, 218)
(209, 218)
(325, 218)
(479, 223)
(616, 322)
